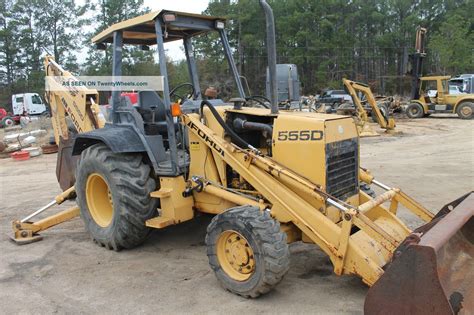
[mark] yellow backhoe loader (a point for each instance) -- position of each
(383, 119)
(161, 163)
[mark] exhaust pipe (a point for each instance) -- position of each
(271, 51)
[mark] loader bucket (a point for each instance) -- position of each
(432, 271)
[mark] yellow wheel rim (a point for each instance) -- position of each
(235, 255)
(415, 111)
(466, 111)
(99, 200)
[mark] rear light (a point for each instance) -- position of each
(176, 110)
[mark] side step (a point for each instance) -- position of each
(159, 222)
(162, 193)
(175, 208)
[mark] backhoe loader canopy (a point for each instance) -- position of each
(176, 25)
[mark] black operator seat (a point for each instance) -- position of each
(152, 108)
(136, 118)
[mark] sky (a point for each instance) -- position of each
(192, 6)
(174, 49)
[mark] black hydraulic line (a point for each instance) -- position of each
(235, 137)
(242, 124)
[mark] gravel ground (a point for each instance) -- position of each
(432, 160)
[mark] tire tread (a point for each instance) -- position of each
(273, 242)
(134, 184)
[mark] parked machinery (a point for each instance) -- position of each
(422, 105)
(442, 102)
(382, 117)
(270, 178)
(288, 86)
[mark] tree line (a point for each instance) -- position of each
(365, 40)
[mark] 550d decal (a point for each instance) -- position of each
(300, 135)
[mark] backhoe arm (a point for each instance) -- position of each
(79, 103)
(67, 101)
(354, 87)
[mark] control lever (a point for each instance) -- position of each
(153, 107)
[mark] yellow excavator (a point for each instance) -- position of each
(383, 119)
(270, 177)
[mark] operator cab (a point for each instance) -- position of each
(152, 119)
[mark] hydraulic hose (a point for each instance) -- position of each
(235, 137)
(242, 124)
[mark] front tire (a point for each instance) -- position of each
(113, 193)
(247, 251)
(415, 110)
(465, 110)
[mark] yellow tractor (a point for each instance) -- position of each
(443, 100)
(270, 178)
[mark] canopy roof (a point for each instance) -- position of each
(141, 29)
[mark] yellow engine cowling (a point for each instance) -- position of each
(322, 148)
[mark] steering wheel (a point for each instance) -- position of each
(173, 91)
(261, 100)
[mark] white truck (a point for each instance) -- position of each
(464, 82)
(30, 104)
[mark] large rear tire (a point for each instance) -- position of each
(247, 251)
(113, 193)
(415, 110)
(465, 110)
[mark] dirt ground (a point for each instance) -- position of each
(432, 160)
